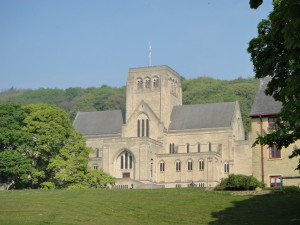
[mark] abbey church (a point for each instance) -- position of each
(158, 142)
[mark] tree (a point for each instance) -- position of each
(71, 166)
(15, 169)
(60, 153)
(276, 53)
(11, 122)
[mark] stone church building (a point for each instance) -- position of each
(158, 142)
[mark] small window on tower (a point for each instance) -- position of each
(139, 83)
(155, 82)
(147, 83)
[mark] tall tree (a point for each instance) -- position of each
(276, 53)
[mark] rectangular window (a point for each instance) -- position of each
(201, 165)
(172, 148)
(272, 123)
(147, 128)
(126, 160)
(226, 167)
(209, 147)
(143, 128)
(178, 166)
(275, 181)
(190, 165)
(95, 167)
(162, 167)
(122, 162)
(199, 148)
(138, 128)
(187, 148)
(275, 152)
(130, 161)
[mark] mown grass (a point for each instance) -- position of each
(159, 206)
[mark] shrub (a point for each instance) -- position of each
(48, 185)
(239, 182)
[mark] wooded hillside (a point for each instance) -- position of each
(195, 91)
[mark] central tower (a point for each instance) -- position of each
(157, 86)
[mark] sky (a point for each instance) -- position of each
(90, 43)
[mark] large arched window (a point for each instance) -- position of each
(126, 160)
(143, 126)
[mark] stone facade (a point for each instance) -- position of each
(161, 143)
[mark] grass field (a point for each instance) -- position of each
(159, 206)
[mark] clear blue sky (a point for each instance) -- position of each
(84, 43)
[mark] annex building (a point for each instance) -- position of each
(270, 164)
(158, 142)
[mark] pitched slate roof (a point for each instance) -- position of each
(264, 104)
(100, 122)
(202, 116)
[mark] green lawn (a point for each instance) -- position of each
(158, 206)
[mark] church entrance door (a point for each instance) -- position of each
(126, 175)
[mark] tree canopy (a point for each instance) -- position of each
(275, 52)
(40, 148)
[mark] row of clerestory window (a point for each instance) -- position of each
(178, 166)
(140, 84)
(201, 165)
(173, 151)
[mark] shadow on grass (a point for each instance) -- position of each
(276, 208)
